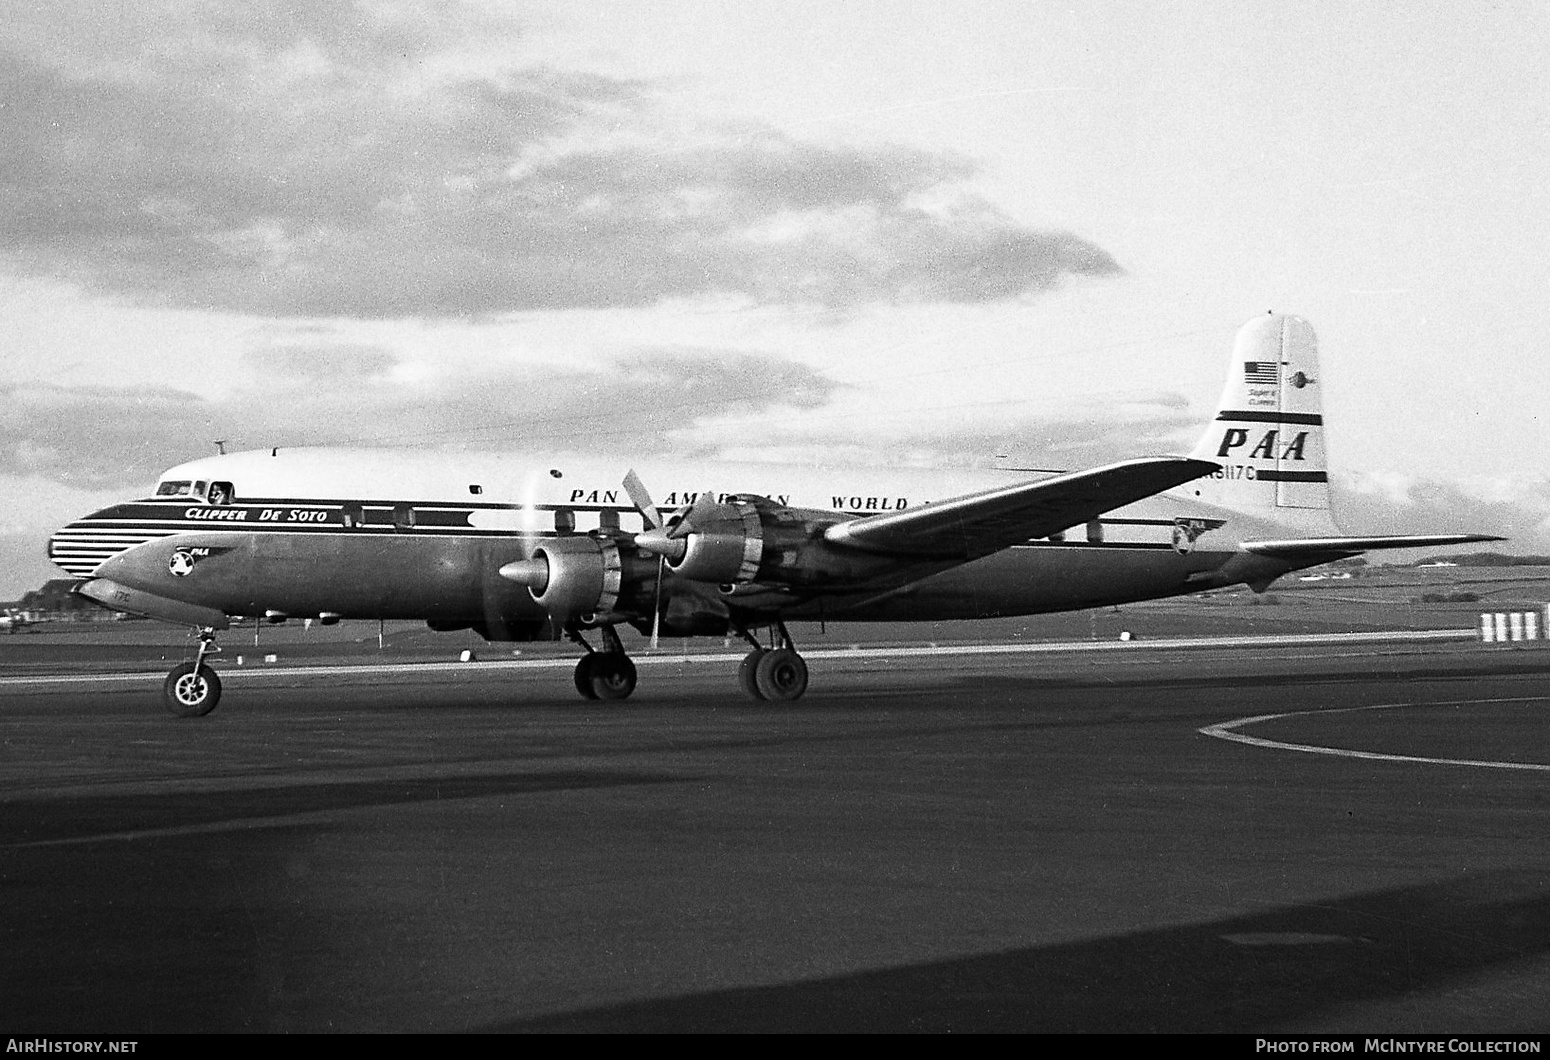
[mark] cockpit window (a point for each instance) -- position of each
(182, 488)
(220, 493)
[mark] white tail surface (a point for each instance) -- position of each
(1268, 434)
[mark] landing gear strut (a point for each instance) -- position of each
(192, 690)
(606, 674)
(777, 674)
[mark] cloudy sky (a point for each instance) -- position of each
(884, 232)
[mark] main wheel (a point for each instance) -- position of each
(190, 691)
(781, 675)
(746, 673)
(613, 675)
(584, 676)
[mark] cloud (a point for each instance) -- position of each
(26, 528)
(94, 437)
(339, 160)
(307, 366)
(1514, 506)
(993, 433)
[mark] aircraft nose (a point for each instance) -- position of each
(79, 548)
(74, 550)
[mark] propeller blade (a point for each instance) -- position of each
(641, 498)
(656, 607)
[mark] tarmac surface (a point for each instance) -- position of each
(1052, 841)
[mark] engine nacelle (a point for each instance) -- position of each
(724, 547)
(746, 539)
(575, 577)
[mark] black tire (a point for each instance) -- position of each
(191, 692)
(613, 675)
(781, 675)
(746, 673)
(584, 676)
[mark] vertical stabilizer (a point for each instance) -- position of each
(1268, 434)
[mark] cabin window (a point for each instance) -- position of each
(1095, 531)
(564, 521)
(475, 488)
(403, 517)
(1058, 537)
(180, 488)
(608, 519)
(221, 493)
(352, 515)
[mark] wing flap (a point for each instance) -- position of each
(978, 524)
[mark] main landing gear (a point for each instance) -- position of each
(776, 674)
(606, 674)
(192, 690)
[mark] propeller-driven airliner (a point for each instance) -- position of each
(525, 546)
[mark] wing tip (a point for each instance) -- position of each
(1378, 542)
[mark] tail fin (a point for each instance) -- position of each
(1268, 434)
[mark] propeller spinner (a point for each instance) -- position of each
(667, 538)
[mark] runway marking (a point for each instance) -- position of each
(1224, 731)
(853, 652)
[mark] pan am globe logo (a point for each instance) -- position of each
(181, 564)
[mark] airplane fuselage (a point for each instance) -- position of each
(408, 534)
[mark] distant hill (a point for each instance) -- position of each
(1486, 559)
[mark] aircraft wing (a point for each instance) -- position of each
(1311, 546)
(977, 524)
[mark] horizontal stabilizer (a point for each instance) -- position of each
(1316, 545)
(978, 524)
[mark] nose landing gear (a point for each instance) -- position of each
(192, 690)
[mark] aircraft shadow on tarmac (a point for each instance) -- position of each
(155, 913)
(1274, 970)
(191, 930)
(112, 936)
(57, 821)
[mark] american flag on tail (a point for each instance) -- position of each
(1261, 373)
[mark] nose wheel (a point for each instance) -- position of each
(192, 690)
